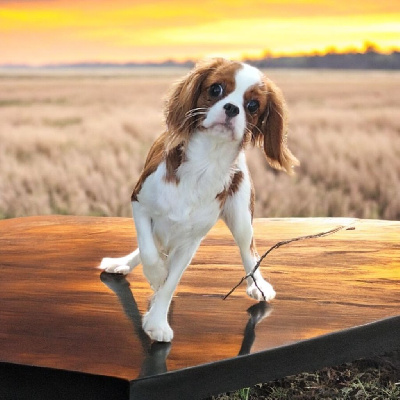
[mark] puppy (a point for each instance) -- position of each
(196, 173)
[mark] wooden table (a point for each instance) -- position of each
(68, 331)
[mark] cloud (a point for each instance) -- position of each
(112, 30)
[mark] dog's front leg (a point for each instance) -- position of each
(238, 218)
(154, 267)
(155, 322)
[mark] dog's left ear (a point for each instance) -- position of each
(270, 132)
(183, 99)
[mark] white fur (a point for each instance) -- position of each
(172, 218)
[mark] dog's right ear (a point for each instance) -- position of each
(183, 99)
(271, 130)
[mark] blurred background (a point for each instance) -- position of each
(82, 87)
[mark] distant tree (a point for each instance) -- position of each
(370, 47)
(331, 50)
(267, 53)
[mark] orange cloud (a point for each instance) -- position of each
(121, 30)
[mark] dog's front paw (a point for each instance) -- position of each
(264, 291)
(157, 330)
(114, 266)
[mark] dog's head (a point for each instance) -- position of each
(234, 101)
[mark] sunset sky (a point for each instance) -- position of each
(51, 31)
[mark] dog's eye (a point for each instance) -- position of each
(253, 106)
(216, 90)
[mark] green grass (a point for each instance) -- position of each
(374, 379)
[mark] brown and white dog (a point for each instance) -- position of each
(196, 173)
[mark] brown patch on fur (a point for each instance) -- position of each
(253, 247)
(157, 154)
(173, 160)
(252, 198)
(270, 131)
(224, 74)
(256, 92)
(153, 160)
(236, 180)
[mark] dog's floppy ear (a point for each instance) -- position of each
(183, 99)
(270, 132)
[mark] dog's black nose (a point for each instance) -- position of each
(231, 110)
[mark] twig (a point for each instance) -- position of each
(279, 244)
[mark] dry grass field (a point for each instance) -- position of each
(74, 143)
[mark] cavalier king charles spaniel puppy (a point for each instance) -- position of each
(196, 173)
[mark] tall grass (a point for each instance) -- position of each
(76, 144)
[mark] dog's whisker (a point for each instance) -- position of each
(194, 114)
(192, 118)
(198, 108)
(193, 110)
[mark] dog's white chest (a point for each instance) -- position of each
(190, 206)
(184, 209)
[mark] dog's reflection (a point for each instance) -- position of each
(156, 353)
(257, 312)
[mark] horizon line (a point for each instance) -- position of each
(368, 48)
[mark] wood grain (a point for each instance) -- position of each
(57, 310)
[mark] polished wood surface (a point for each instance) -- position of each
(58, 310)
